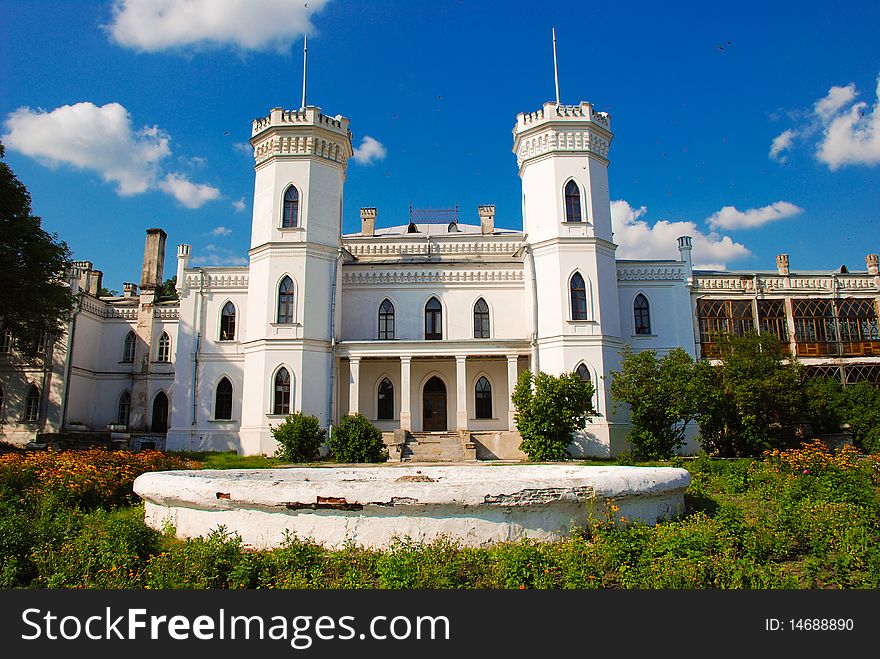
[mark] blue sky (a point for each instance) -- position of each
(753, 126)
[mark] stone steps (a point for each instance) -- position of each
(433, 447)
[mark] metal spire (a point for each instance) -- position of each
(555, 67)
(305, 61)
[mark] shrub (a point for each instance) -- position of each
(355, 439)
(299, 438)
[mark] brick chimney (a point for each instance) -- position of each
(129, 289)
(487, 218)
(871, 260)
(782, 264)
(368, 221)
(154, 259)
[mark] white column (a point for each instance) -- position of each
(511, 384)
(354, 379)
(405, 394)
(461, 415)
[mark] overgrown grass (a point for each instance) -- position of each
(228, 460)
(797, 519)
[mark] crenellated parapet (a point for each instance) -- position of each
(560, 129)
(301, 133)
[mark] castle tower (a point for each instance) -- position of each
(300, 163)
(562, 154)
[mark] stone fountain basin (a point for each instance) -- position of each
(473, 505)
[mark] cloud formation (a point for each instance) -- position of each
(849, 130)
(239, 205)
(156, 25)
(213, 255)
(730, 217)
(221, 231)
(636, 239)
(102, 140)
(369, 151)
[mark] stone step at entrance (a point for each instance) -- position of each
(433, 447)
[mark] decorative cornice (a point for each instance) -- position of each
(218, 280)
(772, 283)
(421, 276)
(425, 247)
(166, 313)
(103, 310)
(650, 273)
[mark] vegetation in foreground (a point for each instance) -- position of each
(804, 518)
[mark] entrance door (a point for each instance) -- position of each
(434, 405)
(160, 413)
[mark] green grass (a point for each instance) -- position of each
(229, 460)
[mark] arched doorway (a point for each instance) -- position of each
(160, 413)
(434, 405)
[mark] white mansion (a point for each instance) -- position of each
(423, 327)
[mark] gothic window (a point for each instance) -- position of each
(32, 404)
(281, 400)
(483, 399)
(164, 353)
(433, 319)
(583, 373)
(385, 407)
(578, 297)
(481, 319)
(128, 348)
(572, 202)
(5, 341)
(227, 322)
(123, 409)
(290, 216)
(386, 320)
(859, 331)
(721, 317)
(223, 400)
(771, 318)
(285, 300)
(642, 315)
(160, 413)
(815, 327)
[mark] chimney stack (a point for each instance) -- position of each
(154, 259)
(782, 264)
(95, 282)
(129, 289)
(871, 260)
(487, 218)
(368, 221)
(183, 254)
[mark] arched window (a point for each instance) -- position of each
(483, 399)
(227, 322)
(128, 348)
(285, 300)
(578, 297)
(290, 215)
(281, 400)
(223, 400)
(583, 373)
(164, 354)
(385, 407)
(123, 409)
(481, 319)
(642, 315)
(160, 413)
(433, 319)
(572, 202)
(386, 320)
(32, 404)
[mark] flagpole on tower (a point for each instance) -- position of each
(555, 67)
(305, 60)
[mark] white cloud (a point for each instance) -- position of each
(214, 255)
(191, 195)
(85, 136)
(369, 151)
(730, 217)
(244, 148)
(636, 239)
(221, 231)
(239, 205)
(850, 130)
(155, 25)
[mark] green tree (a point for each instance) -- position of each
(549, 409)
(661, 395)
(168, 289)
(824, 405)
(355, 439)
(751, 400)
(862, 413)
(34, 299)
(299, 438)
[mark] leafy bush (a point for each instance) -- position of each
(355, 439)
(862, 413)
(299, 438)
(548, 414)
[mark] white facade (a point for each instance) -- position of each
(422, 327)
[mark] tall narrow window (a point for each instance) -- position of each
(5, 341)
(642, 315)
(481, 319)
(386, 320)
(281, 402)
(483, 399)
(32, 404)
(290, 216)
(433, 319)
(227, 322)
(583, 373)
(164, 353)
(285, 301)
(223, 400)
(160, 413)
(578, 297)
(128, 348)
(123, 409)
(385, 407)
(572, 202)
